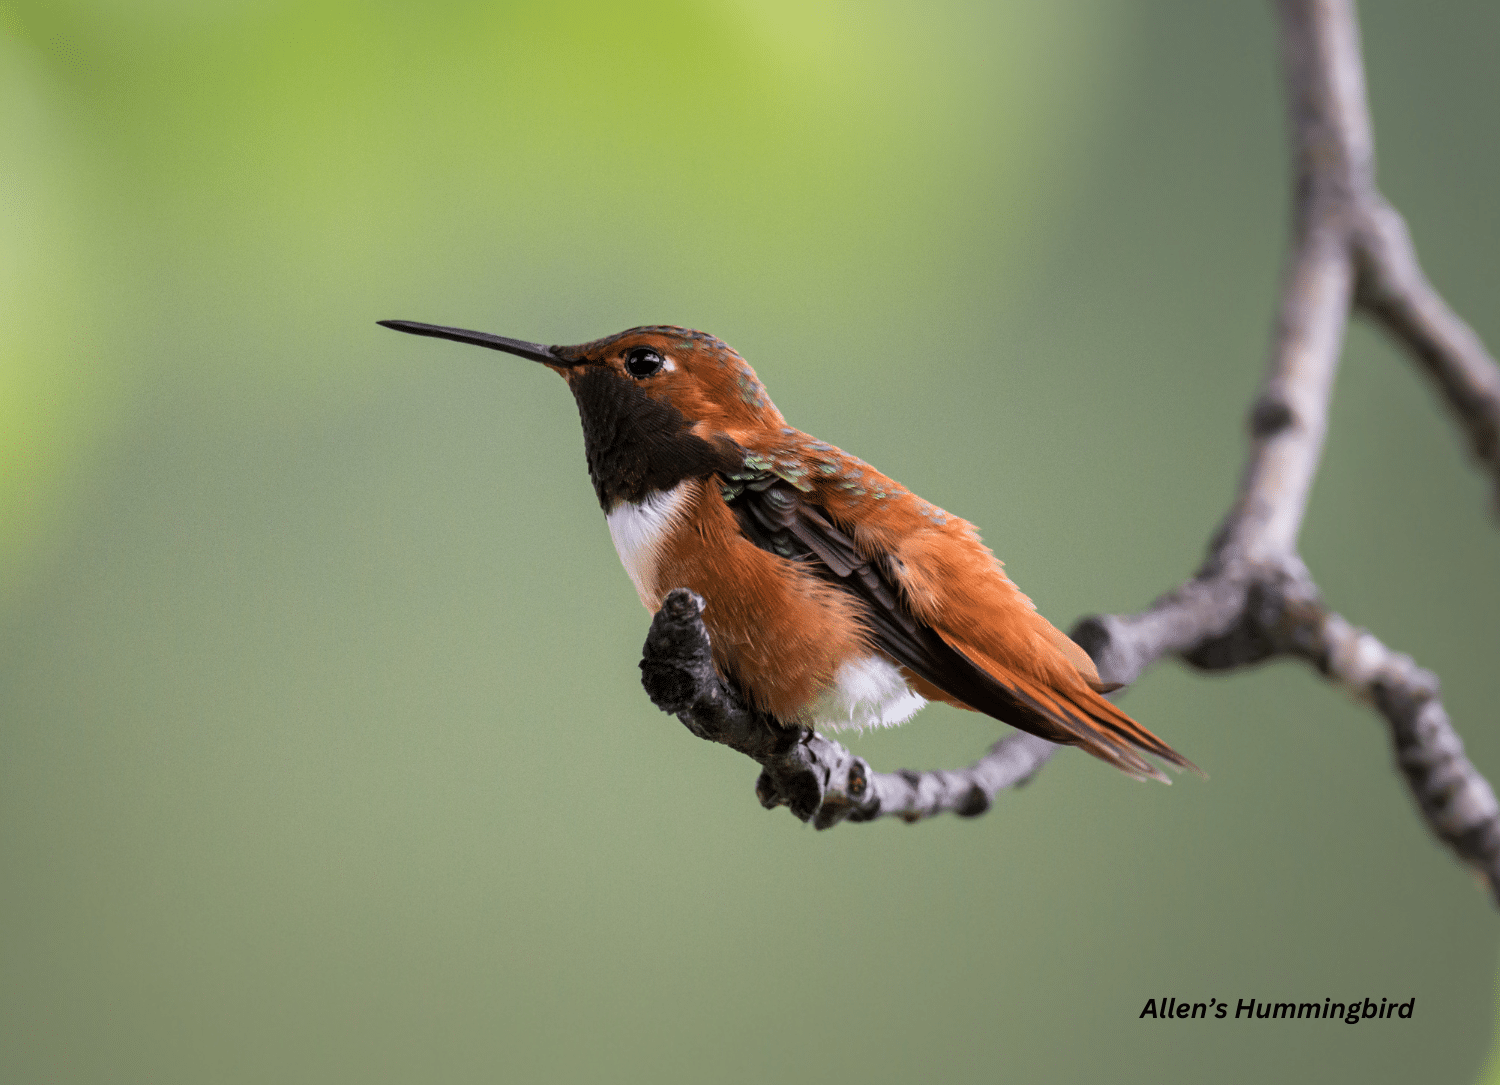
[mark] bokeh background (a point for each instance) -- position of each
(323, 755)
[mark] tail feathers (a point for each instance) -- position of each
(1120, 728)
(1075, 715)
(1081, 660)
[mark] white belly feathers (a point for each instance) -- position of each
(640, 531)
(867, 691)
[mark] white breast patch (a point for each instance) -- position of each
(641, 530)
(867, 692)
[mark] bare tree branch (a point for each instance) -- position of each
(1253, 599)
(1393, 292)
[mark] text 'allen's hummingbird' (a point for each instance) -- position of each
(835, 597)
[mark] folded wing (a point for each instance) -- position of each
(779, 518)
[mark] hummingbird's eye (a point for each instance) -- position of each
(643, 362)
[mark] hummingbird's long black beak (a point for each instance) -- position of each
(535, 351)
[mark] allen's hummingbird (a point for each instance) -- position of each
(834, 596)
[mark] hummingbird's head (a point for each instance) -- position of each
(658, 403)
(697, 375)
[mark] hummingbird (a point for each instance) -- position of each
(834, 596)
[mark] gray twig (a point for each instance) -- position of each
(1253, 599)
(1395, 294)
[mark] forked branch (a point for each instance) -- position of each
(1253, 599)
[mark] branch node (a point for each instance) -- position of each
(1269, 417)
(974, 803)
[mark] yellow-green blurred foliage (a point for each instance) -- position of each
(322, 751)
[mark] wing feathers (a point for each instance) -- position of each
(1068, 709)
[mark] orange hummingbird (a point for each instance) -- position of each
(835, 597)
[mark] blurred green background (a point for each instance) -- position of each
(323, 755)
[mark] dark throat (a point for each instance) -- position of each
(637, 445)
